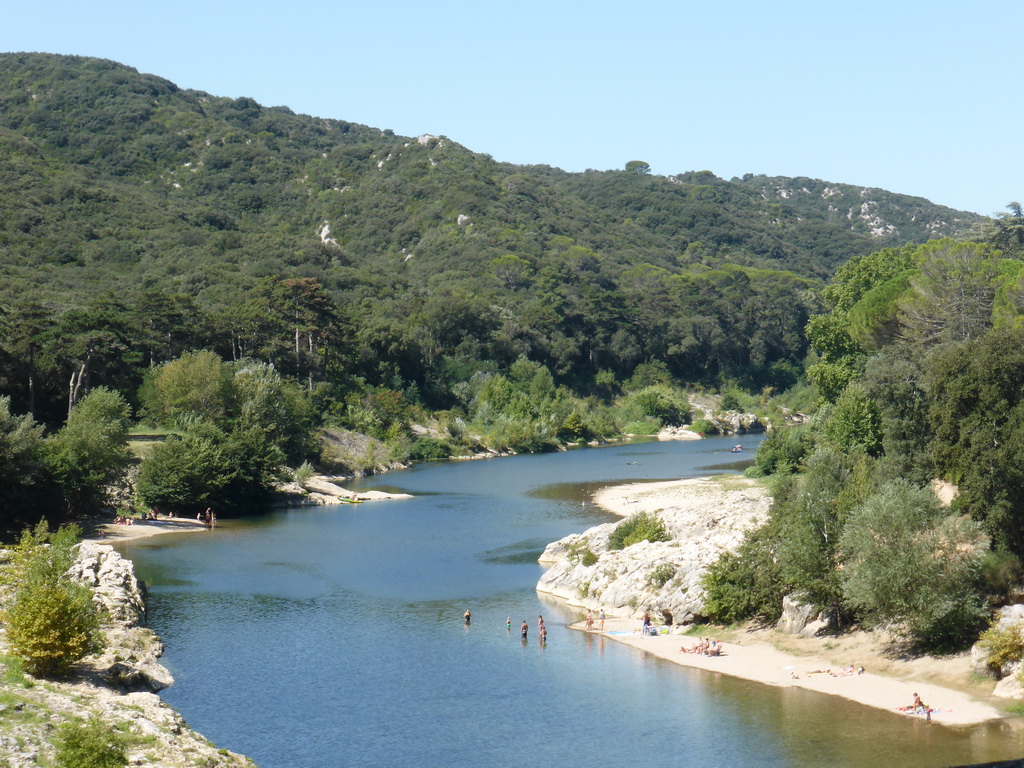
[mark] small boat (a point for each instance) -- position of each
(350, 500)
(737, 449)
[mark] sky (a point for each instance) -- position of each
(913, 97)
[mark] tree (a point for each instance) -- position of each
(197, 383)
(1008, 235)
(53, 622)
(854, 279)
(639, 167)
(511, 271)
(91, 451)
(951, 296)
(976, 411)
(22, 465)
(909, 563)
(810, 512)
(187, 473)
(854, 423)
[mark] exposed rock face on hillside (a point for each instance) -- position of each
(118, 686)
(703, 518)
(865, 210)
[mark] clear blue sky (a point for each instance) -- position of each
(915, 97)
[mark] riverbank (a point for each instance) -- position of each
(119, 686)
(109, 533)
(756, 656)
(774, 658)
(319, 490)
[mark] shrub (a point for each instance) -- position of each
(909, 562)
(424, 448)
(1002, 645)
(746, 584)
(646, 427)
(639, 527)
(53, 622)
(704, 427)
(303, 473)
(90, 744)
(579, 552)
(51, 626)
(661, 575)
(731, 400)
(782, 452)
(663, 403)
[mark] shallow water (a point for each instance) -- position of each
(333, 636)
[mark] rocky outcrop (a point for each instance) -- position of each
(712, 517)
(734, 422)
(118, 686)
(678, 433)
(321, 490)
(1009, 618)
(805, 619)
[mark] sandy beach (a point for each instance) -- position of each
(773, 658)
(650, 497)
(763, 663)
(108, 533)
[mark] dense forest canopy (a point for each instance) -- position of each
(139, 220)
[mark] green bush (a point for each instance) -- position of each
(90, 744)
(704, 427)
(666, 404)
(746, 584)
(53, 621)
(731, 400)
(781, 452)
(1002, 645)
(661, 575)
(303, 473)
(646, 427)
(580, 552)
(424, 448)
(639, 527)
(910, 563)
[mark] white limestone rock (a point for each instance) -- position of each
(705, 523)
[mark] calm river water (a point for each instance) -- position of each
(333, 636)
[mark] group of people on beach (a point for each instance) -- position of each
(705, 646)
(590, 621)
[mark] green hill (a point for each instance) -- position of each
(132, 208)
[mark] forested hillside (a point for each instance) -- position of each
(248, 278)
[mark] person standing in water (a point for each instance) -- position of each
(466, 616)
(508, 624)
(524, 630)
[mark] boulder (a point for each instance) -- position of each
(800, 617)
(1010, 686)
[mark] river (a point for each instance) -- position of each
(333, 636)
